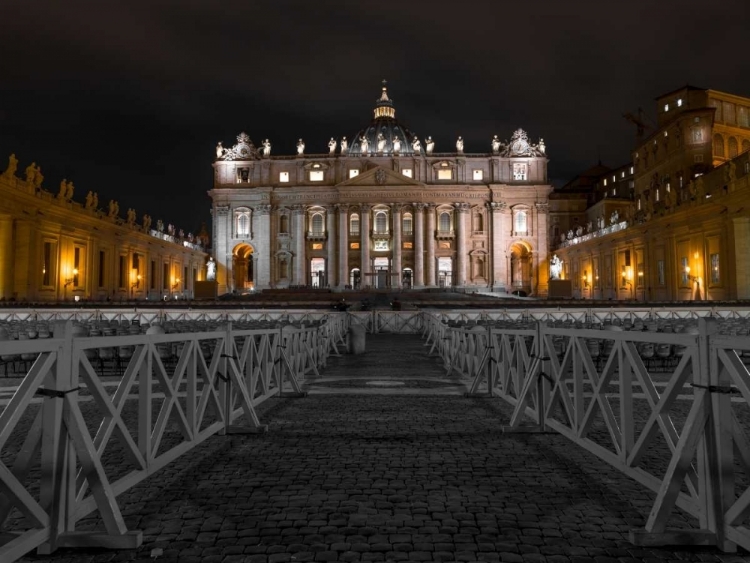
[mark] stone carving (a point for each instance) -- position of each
(266, 148)
(364, 144)
(114, 208)
(589, 227)
(496, 144)
(730, 172)
(160, 225)
(380, 177)
(181, 233)
(600, 222)
(146, 222)
(571, 234)
(63, 189)
(416, 145)
(243, 150)
(211, 269)
(429, 145)
(131, 216)
(89, 200)
(541, 147)
(562, 237)
(396, 144)
(12, 166)
(170, 229)
(381, 143)
(219, 150)
(332, 146)
(614, 218)
(95, 201)
(344, 145)
(579, 231)
(300, 147)
(70, 191)
(555, 267)
(459, 144)
(31, 173)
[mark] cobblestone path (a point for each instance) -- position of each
(388, 475)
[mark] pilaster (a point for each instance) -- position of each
(262, 254)
(462, 215)
(365, 267)
(430, 236)
(397, 268)
(419, 245)
(499, 261)
(331, 245)
(298, 218)
(343, 240)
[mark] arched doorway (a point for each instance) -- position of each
(521, 268)
(242, 268)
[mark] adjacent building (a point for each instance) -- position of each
(53, 248)
(382, 209)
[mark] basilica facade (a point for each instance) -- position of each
(382, 209)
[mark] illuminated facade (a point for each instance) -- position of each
(679, 228)
(382, 210)
(53, 248)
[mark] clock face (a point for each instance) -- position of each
(519, 146)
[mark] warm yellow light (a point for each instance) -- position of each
(75, 271)
(696, 255)
(687, 269)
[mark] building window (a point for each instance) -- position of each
(716, 104)
(444, 222)
(381, 222)
(122, 274)
(47, 265)
(317, 246)
(520, 171)
(165, 276)
(243, 224)
(353, 172)
(605, 182)
(679, 103)
(102, 267)
(316, 175)
(519, 221)
(407, 172)
(742, 116)
(243, 175)
(354, 246)
(660, 278)
(283, 177)
(408, 245)
(76, 265)
(152, 277)
(733, 147)
(719, 146)
(445, 174)
(715, 277)
(354, 224)
(316, 224)
(444, 245)
(698, 158)
(631, 169)
(684, 271)
(407, 224)
(666, 107)
(478, 175)
(729, 113)
(381, 245)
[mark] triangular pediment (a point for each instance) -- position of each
(378, 176)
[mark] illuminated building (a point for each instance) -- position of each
(53, 248)
(679, 228)
(382, 209)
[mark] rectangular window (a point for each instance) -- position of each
(743, 120)
(716, 104)
(165, 277)
(185, 276)
(354, 245)
(283, 177)
(715, 277)
(122, 274)
(445, 174)
(408, 245)
(47, 266)
(353, 172)
(660, 277)
(152, 283)
(316, 175)
(520, 171)
(407, 172)
(317, 246)
(684, 271)
(478, 174)
(76, 265)
(729, 113)
(102, 267)
(444, 244)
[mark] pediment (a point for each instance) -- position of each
(377, 176)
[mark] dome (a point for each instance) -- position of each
(383, 130)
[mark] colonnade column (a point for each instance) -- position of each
(343, 245)
(430, 234)
(397, 242)
(499, 263)
(6, 258)
(462, 211)
(298, 213)
(419, 245)
(541, 253)
(331, 246)
(263, 234)
(222, 252)
(365, 266)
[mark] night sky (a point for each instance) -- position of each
(129, 98)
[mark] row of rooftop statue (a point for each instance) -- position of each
(34, 178)
(396, 145)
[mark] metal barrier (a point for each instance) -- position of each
(656, 406)
(175, 391)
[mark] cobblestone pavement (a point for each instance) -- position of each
(388, 477)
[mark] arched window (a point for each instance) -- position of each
(381, 222)
(317, 224)
(733, 148)
(745, 145)
(520, 221)
(243, 224)
(354, 224)
(444, 223)
(407, 224)
(719, 146)
(284, 224)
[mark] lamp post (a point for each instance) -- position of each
(69, 281)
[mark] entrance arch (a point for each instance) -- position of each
(243, 267)
(521, 268)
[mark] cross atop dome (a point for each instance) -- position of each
(384, 106)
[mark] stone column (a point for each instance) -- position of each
(419, 245)
(298, 215)
(499, 263)
(343, 241)
(430, 236)
(541, 253)
(262, 254)
(331, 245)
(740, 232)
(6, 258)
(222, 250)
(364, 245)
(462, 243)
(396, 210)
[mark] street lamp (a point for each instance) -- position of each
(69, 281)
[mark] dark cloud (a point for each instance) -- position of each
(128, 98)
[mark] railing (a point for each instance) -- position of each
(174, 392)
(666, 409)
